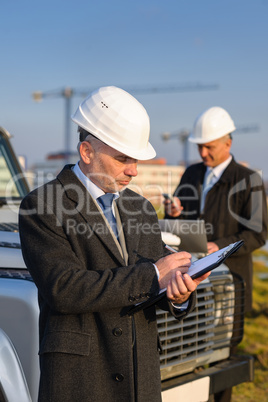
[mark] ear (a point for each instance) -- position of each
(86, 152)
(229, 143)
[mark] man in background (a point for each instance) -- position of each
(228, 196)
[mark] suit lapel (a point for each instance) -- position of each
(87, 208)
(131, 218)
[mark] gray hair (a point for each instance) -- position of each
(84, 135)
(226, 137)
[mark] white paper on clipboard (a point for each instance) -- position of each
(211, 261)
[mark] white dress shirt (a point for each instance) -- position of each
(218, 170)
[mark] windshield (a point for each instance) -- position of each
(12, 182)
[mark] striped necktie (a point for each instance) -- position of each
(105, 202)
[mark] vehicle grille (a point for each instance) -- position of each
(197, 339)
(15, 274)
(9, 227)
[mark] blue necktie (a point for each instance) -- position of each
(105, 202)
(208, 184)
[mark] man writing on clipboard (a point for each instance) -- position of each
(92, 262)
(228, 196)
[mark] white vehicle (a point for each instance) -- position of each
(195, 353)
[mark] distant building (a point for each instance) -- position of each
(154, 177)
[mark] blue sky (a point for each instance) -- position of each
(83, 45)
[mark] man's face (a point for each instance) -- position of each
(215, 152)
(110, 169)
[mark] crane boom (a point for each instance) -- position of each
(67, 93)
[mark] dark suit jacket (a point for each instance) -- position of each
(235, 209)
(91, 350)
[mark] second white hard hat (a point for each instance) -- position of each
(118, 119)
(210, 125)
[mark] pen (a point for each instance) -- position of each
(170, 249)
(173, 251)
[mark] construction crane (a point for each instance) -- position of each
(67, 93)
(183, 135)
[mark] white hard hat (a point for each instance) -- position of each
(210, 125)
(118, 119)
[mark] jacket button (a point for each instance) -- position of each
(119, 377)
(117, 331)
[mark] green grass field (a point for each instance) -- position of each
(255, 340)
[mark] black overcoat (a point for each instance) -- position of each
(90, 349)
(235, 209)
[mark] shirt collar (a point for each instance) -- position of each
(218, 170)
(91, 187)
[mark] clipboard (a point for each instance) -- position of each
(212, 261)
(197, 268)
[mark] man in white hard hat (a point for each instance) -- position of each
(228, 196)
(92, 262)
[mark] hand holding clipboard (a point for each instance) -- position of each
(197, 269)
